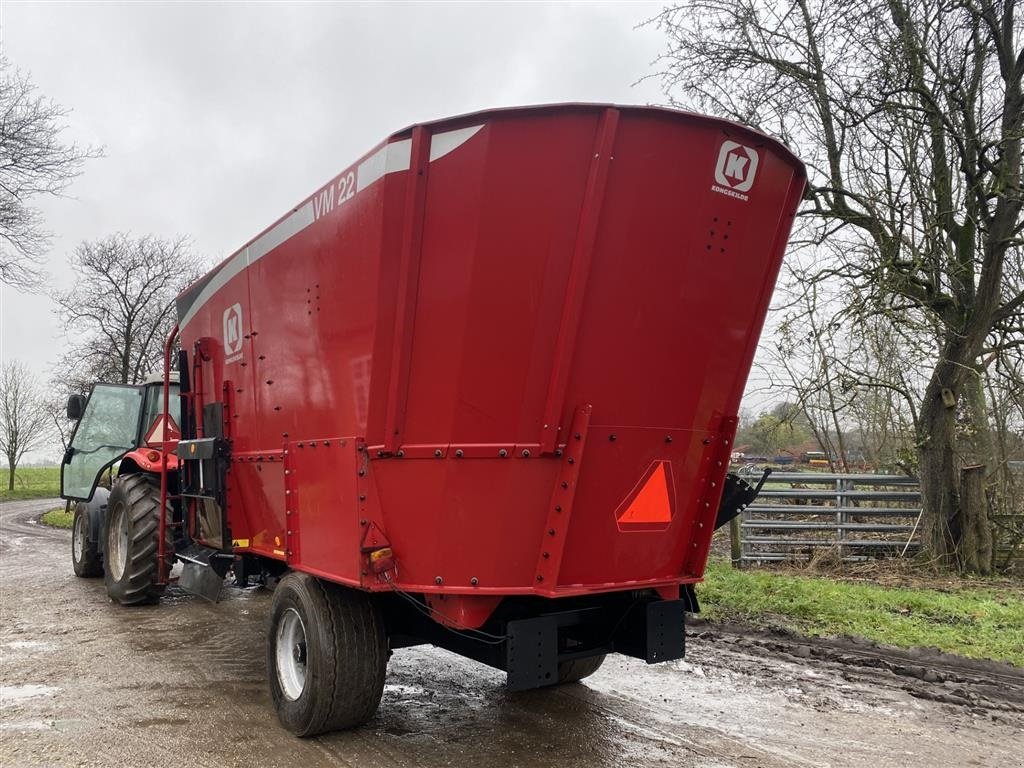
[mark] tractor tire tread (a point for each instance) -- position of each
(138, 583)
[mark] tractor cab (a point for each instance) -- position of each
(117, 423)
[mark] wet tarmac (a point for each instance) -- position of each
(84, 682)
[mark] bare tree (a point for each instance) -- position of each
(855, 385)
(34, 161)
(24, 421)
(56, 412)
(122, 307)
(910, 117)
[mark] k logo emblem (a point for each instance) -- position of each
(233, 330)
(737, 166)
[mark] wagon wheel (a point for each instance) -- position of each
(576, 669)
(326, 655)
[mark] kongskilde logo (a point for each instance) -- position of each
(232, 333)
(735, 170)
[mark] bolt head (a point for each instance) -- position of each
(438, 580)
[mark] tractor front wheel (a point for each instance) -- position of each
(132, 538)
(326, 655)
(86, 558)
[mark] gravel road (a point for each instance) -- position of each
(84, 682)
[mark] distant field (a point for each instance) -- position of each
(31, 483)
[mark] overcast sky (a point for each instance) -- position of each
(217, 118)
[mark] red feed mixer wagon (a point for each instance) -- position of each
(477, 391)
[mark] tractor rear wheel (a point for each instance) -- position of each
(575, 670)
(326, 655)
(132, 538)
(86, 558)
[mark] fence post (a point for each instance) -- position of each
(840, 517)
(735, 541)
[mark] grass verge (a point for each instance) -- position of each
(31, 483)
(976, 620)
(58, 518)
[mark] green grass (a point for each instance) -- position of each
(58, 518)
(31, 483)
(980, 622)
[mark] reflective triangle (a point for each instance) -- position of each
(156, 431)
(653, 503)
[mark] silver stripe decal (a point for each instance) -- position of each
(443, 143)
(237, 263)
(396, 156)
(296, 221)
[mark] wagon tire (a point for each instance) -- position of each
(131, 535)
(86, 558)
(574, 670)
(326, 655)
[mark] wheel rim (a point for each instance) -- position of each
(117, 542)
(291, 654)
(78, 537)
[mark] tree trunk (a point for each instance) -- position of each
(938, 476)
(10, 474)
(975, 552)
(955, 528)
